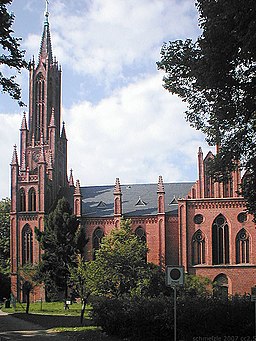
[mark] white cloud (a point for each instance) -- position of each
(105, 36)
(9, 128)
(136, 134)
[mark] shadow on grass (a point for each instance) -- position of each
(54, 324)
(53, 321)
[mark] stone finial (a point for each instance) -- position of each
(117, 189)
(160, 185)
(63, 132)
(71, 179)
(24, 122)
(52, 121)
(77, 188)
(14, 156)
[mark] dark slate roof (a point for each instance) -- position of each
(138, 199)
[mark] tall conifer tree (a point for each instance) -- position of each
(61, 243)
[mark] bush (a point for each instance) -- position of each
(152, 318)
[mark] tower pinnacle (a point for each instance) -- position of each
(46, 13)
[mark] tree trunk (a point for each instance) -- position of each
(84, 302)
(28, 301)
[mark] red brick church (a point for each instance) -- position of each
(201, 225)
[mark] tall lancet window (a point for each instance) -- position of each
(198, 248)
(27, 245)
(32, 200)
(40, 94)
(220, 241)
(96, 240)
(242, 247)
(22, 200)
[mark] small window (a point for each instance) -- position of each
(101, 204)
(242, 217)
(140, 202)
(198, 218)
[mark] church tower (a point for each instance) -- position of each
(39, 174)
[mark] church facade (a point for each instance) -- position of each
(200, 225)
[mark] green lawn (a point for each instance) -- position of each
(49, 308)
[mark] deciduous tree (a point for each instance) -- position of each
(120, 267)
(216, 77)
(11, 55)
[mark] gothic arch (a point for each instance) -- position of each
(220, 241)
(242, 247)
(222, 286)
(32, 199)
(141, 234)
(22, 200)
(198, 248)
(97, 236)
(27, 245)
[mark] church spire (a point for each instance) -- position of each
(46, 46)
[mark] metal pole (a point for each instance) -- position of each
(175, 313)
(255, 318)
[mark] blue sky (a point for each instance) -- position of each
(120, 122)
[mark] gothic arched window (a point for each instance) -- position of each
(220, 241)
(32, 200)
(22, 200)
(198, 248)
(141, 234)
(27, 245)
(40, 94)
(96, 240)
(242, 247)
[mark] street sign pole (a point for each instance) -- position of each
(175, 312)
(174, 278)
(253, 299)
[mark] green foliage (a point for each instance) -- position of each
(215, 76)
(59, 242)
(152, 318)
(120, 267)
(5, 289)
(5, 206)
(196, 286)
(12, 57)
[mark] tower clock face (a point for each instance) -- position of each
(35, 156)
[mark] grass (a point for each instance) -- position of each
(53, 317)
(49, 308)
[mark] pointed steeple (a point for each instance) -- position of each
(46, 46)
(71, 179)
(52, 121)
(14, 156)
(63, 132)
(24, 122)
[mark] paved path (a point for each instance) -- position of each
(12, 328)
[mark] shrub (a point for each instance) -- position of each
(152, 318)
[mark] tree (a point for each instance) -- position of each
(78, 279)
(5, 205)
(5, 289)
(216, 77)
(120, 267)
(12, 57)
(29, 280)
(59, 241)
